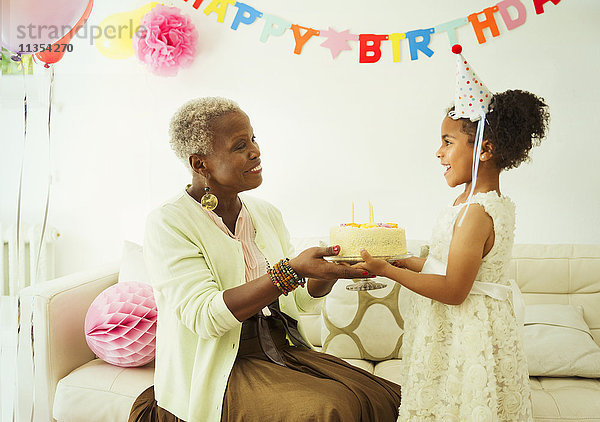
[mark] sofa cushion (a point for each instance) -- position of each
(362, 325)
(100, 392)
(362, 364)
(389, 369)
(553, 399)
(565, 399)
(84, 394)
(311, 326)
(564, 274)
(558, 342)
(133, 266)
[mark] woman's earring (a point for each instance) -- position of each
(208, 200)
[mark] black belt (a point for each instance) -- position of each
(259, 327)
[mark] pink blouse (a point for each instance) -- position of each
(254, 260)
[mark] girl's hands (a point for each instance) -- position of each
(401, 263)
(372, 265)
(310, 264)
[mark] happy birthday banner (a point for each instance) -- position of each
(370, 44)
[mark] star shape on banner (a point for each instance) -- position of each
(337, 41)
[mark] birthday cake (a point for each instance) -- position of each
(379, 239)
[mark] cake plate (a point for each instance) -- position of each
(361, 284)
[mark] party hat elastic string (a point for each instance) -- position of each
(475, 167)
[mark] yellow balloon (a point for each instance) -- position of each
(114, 41)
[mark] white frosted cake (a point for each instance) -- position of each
(378, 239)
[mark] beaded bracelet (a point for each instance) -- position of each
(284, 277)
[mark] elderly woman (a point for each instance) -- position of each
(228, 346)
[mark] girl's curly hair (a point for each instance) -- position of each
(518, 120)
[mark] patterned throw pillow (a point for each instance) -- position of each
(362, 325)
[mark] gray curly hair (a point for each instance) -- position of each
(190, 129)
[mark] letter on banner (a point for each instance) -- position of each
(240, 16)
(274, 26)
(370, 43)
(539, 5)
(395, 39)
(302, 39)
(196, 4)
(521, 13)
(422, 45)
(219, 7)
(488, 22)
(450, 29)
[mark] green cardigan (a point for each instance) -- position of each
(191, 262)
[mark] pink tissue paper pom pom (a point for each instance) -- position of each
(120, 325)
(166, 40)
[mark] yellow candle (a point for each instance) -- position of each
(371, 218)
(353, 212)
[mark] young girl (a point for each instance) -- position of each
(462, 355)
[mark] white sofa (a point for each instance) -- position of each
(72, 385)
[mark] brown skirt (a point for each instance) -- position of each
(312, 387)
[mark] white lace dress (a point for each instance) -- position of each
(465, 362)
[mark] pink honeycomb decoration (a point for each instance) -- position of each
(120, 325)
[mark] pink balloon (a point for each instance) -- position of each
(56, 52)
(28, 22)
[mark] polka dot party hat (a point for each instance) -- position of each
(472, 101)
(472, 98)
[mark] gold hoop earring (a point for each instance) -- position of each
(208, 200)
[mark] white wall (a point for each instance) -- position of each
(331, 131)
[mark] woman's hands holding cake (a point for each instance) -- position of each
(310, 264)
(322, 274)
